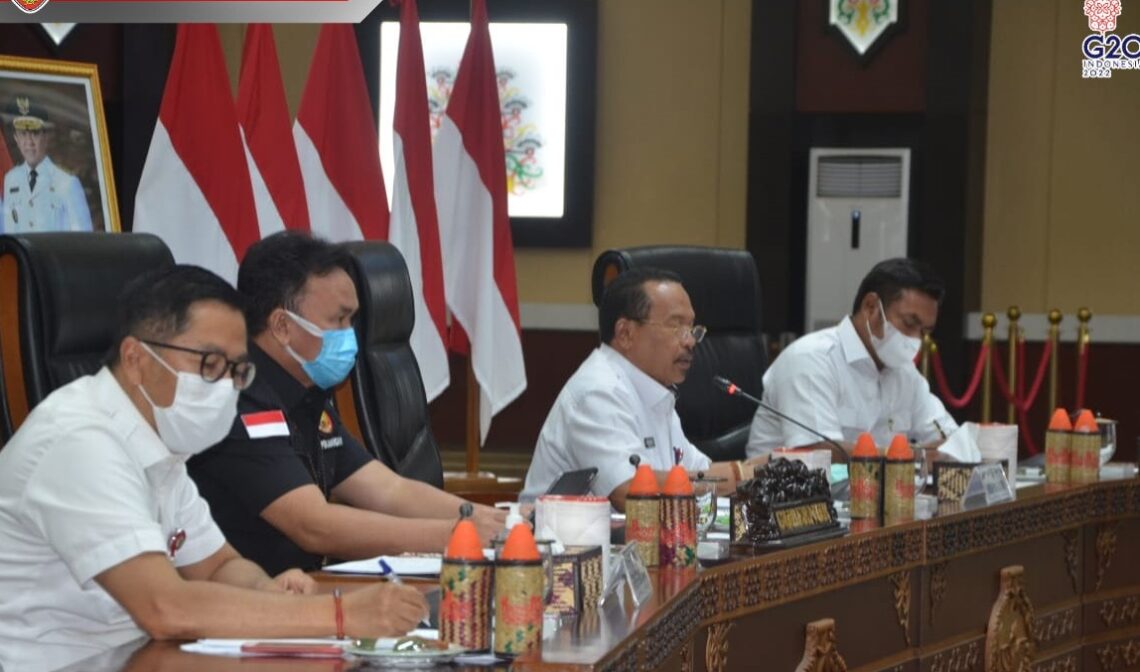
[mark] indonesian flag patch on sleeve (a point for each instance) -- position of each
(265, 424)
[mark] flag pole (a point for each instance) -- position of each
(472, 438)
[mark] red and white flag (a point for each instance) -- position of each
(415, 227)
(195, 190)
(278, 191)
(475, 232)
(336, 140)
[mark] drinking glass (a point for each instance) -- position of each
(705, 491)
(1107, 439)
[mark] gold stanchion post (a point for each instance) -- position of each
(1055, 318)
(989, 320)
(1014, 314)
(1083, 317)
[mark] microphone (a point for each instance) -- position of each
(728, 387)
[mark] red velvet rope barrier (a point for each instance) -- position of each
(1082, 375)
(944, 387)
(1022, 401)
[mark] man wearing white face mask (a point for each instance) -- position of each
(103, 537)
(859, 376)
(289, 485)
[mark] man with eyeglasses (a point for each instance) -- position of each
(103, 537)
(288, 484)
(620, 402)
(859, 376)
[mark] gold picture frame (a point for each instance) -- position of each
(63, 102)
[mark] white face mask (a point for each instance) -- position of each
(201, 414)
(895, 349)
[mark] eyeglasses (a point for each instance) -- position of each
(214, 365)
(684, 331)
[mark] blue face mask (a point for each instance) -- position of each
(336, 358)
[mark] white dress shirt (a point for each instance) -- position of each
(828, 381)
(608, 411)
(56, 204)
(85, 485)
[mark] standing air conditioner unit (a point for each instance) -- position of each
(857, 216)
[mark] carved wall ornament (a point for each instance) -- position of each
(1105, 549)
(1064, 663)
(901, 583)
(1010, 644)
(820, 651)
(1118, 655)
(1120, 611)
(716, 647)
(938, 586)
(1055, 626)
(1073, 557)
(961, 658)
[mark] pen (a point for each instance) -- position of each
(939, 428)
(389, 573)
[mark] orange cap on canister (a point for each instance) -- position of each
(1060, 421)
(900, 449)
(464, 543)
(644, 482)
(1085, 423)
(520, 544)
(677, 482)
(865, 446)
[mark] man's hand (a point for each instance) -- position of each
(383, 610)
(292, 581)
(489, 521)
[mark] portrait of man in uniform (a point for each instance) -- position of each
(56, 169)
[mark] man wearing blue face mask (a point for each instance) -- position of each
(289, 486)
(859, 376)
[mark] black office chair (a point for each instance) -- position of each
(725, 291)
(58, 293)
(388, 398)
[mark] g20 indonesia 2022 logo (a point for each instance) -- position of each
(1104, 50)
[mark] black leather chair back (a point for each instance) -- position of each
(388, 392)
(725, 291)
(62, 289)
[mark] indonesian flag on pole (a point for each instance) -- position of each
(478, 256)
(195, 190)
(337, 144)
(278, 191)
(415, 228)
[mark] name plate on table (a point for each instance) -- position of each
(952, 478)
(801, 517)
(786, 504)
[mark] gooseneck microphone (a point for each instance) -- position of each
(728, 387)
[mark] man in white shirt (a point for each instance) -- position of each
(860, 376)
(620, 402)
(103, 537)
(38, 194)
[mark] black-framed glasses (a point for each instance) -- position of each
(214, 365)
(683, 331)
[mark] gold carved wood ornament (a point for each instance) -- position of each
(716, 647)
(901, 583)
(820, 651)
(1010, 642)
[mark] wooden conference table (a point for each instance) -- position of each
(1047, 583)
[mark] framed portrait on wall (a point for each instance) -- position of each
(55, 158)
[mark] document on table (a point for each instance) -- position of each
(232, 647)
(404, 565)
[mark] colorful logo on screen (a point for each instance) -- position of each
(30, 6)
(1104, 50)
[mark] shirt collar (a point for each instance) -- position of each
(651, 392)
(274, 385)
(853, 348)
(142, 443)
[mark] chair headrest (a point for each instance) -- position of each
(74, 280)
(705, 273)
(387, 313)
